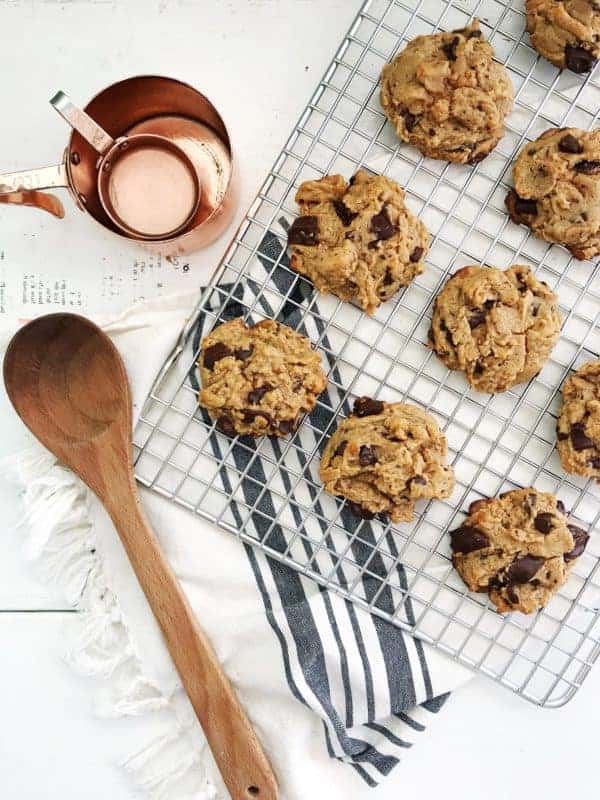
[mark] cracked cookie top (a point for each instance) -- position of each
(446, 96)
(519, 547)
(496, 326)
(258, 380)
(557, 189)
(357, 240)
(566, 33)
(578, 427)
(385, 457)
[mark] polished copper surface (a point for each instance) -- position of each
(207, 151)
(149, 105)
(22, 188)
(170, 108)
(148, 187)
(41, 200)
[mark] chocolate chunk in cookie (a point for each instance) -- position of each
(382, 226)
(450, 47)
(214, 353)
(304, 231)
(339, 450)
(367, 406)
(480, 314)
(587, 167)
(570, 144)
(410, 120)
(579, 438)
(256, 395)
(367, 455)
(519, 208)
(522, 570)
(468, 539)
(580, 539)
(544, 521)
(243, 354)
(344, 213)
(286, 426)
(578, 59)
(225, 424)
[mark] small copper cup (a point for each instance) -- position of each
(145, 105)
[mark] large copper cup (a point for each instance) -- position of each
(146, 104)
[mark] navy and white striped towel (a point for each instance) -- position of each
(335, 694)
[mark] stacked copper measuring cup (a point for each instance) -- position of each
(149, 158)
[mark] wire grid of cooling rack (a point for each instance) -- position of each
(268, 492)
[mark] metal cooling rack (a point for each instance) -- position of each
(268, 492)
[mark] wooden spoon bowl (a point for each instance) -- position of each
(68, 384)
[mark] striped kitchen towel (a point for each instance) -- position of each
(372, 685)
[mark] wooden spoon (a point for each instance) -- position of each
(67, 382)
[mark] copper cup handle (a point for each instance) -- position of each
(22, 188)
(80, 121)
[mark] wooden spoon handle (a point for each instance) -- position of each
(235, 747)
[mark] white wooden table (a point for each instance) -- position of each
(259, 62)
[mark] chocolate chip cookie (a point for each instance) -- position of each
(578, 427)
(566, 33)
(519, 547)
(557, 189)
(446, 96)
(259, 380)
(498, 327)
(384, 458)
(357, 241)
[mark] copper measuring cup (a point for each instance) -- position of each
(146, 183)
(144, 105)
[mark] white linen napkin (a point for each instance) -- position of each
(335, 695)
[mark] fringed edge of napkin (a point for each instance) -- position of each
(61, 541)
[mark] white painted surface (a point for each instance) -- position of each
(259, 61)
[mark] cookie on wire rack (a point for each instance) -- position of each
(386, 456)
(497, 326)
(578, 426)
(518, 547)
(357, 240)
(258, 380)
(566, 32)
(557, 189)
(446, 96)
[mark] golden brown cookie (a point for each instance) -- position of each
(557, 189)
(519, 547)
(259, 380)
(498, 327)
(566, 33)
(446, 96)
(357, 241)
(578, 427)
(385, 457)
